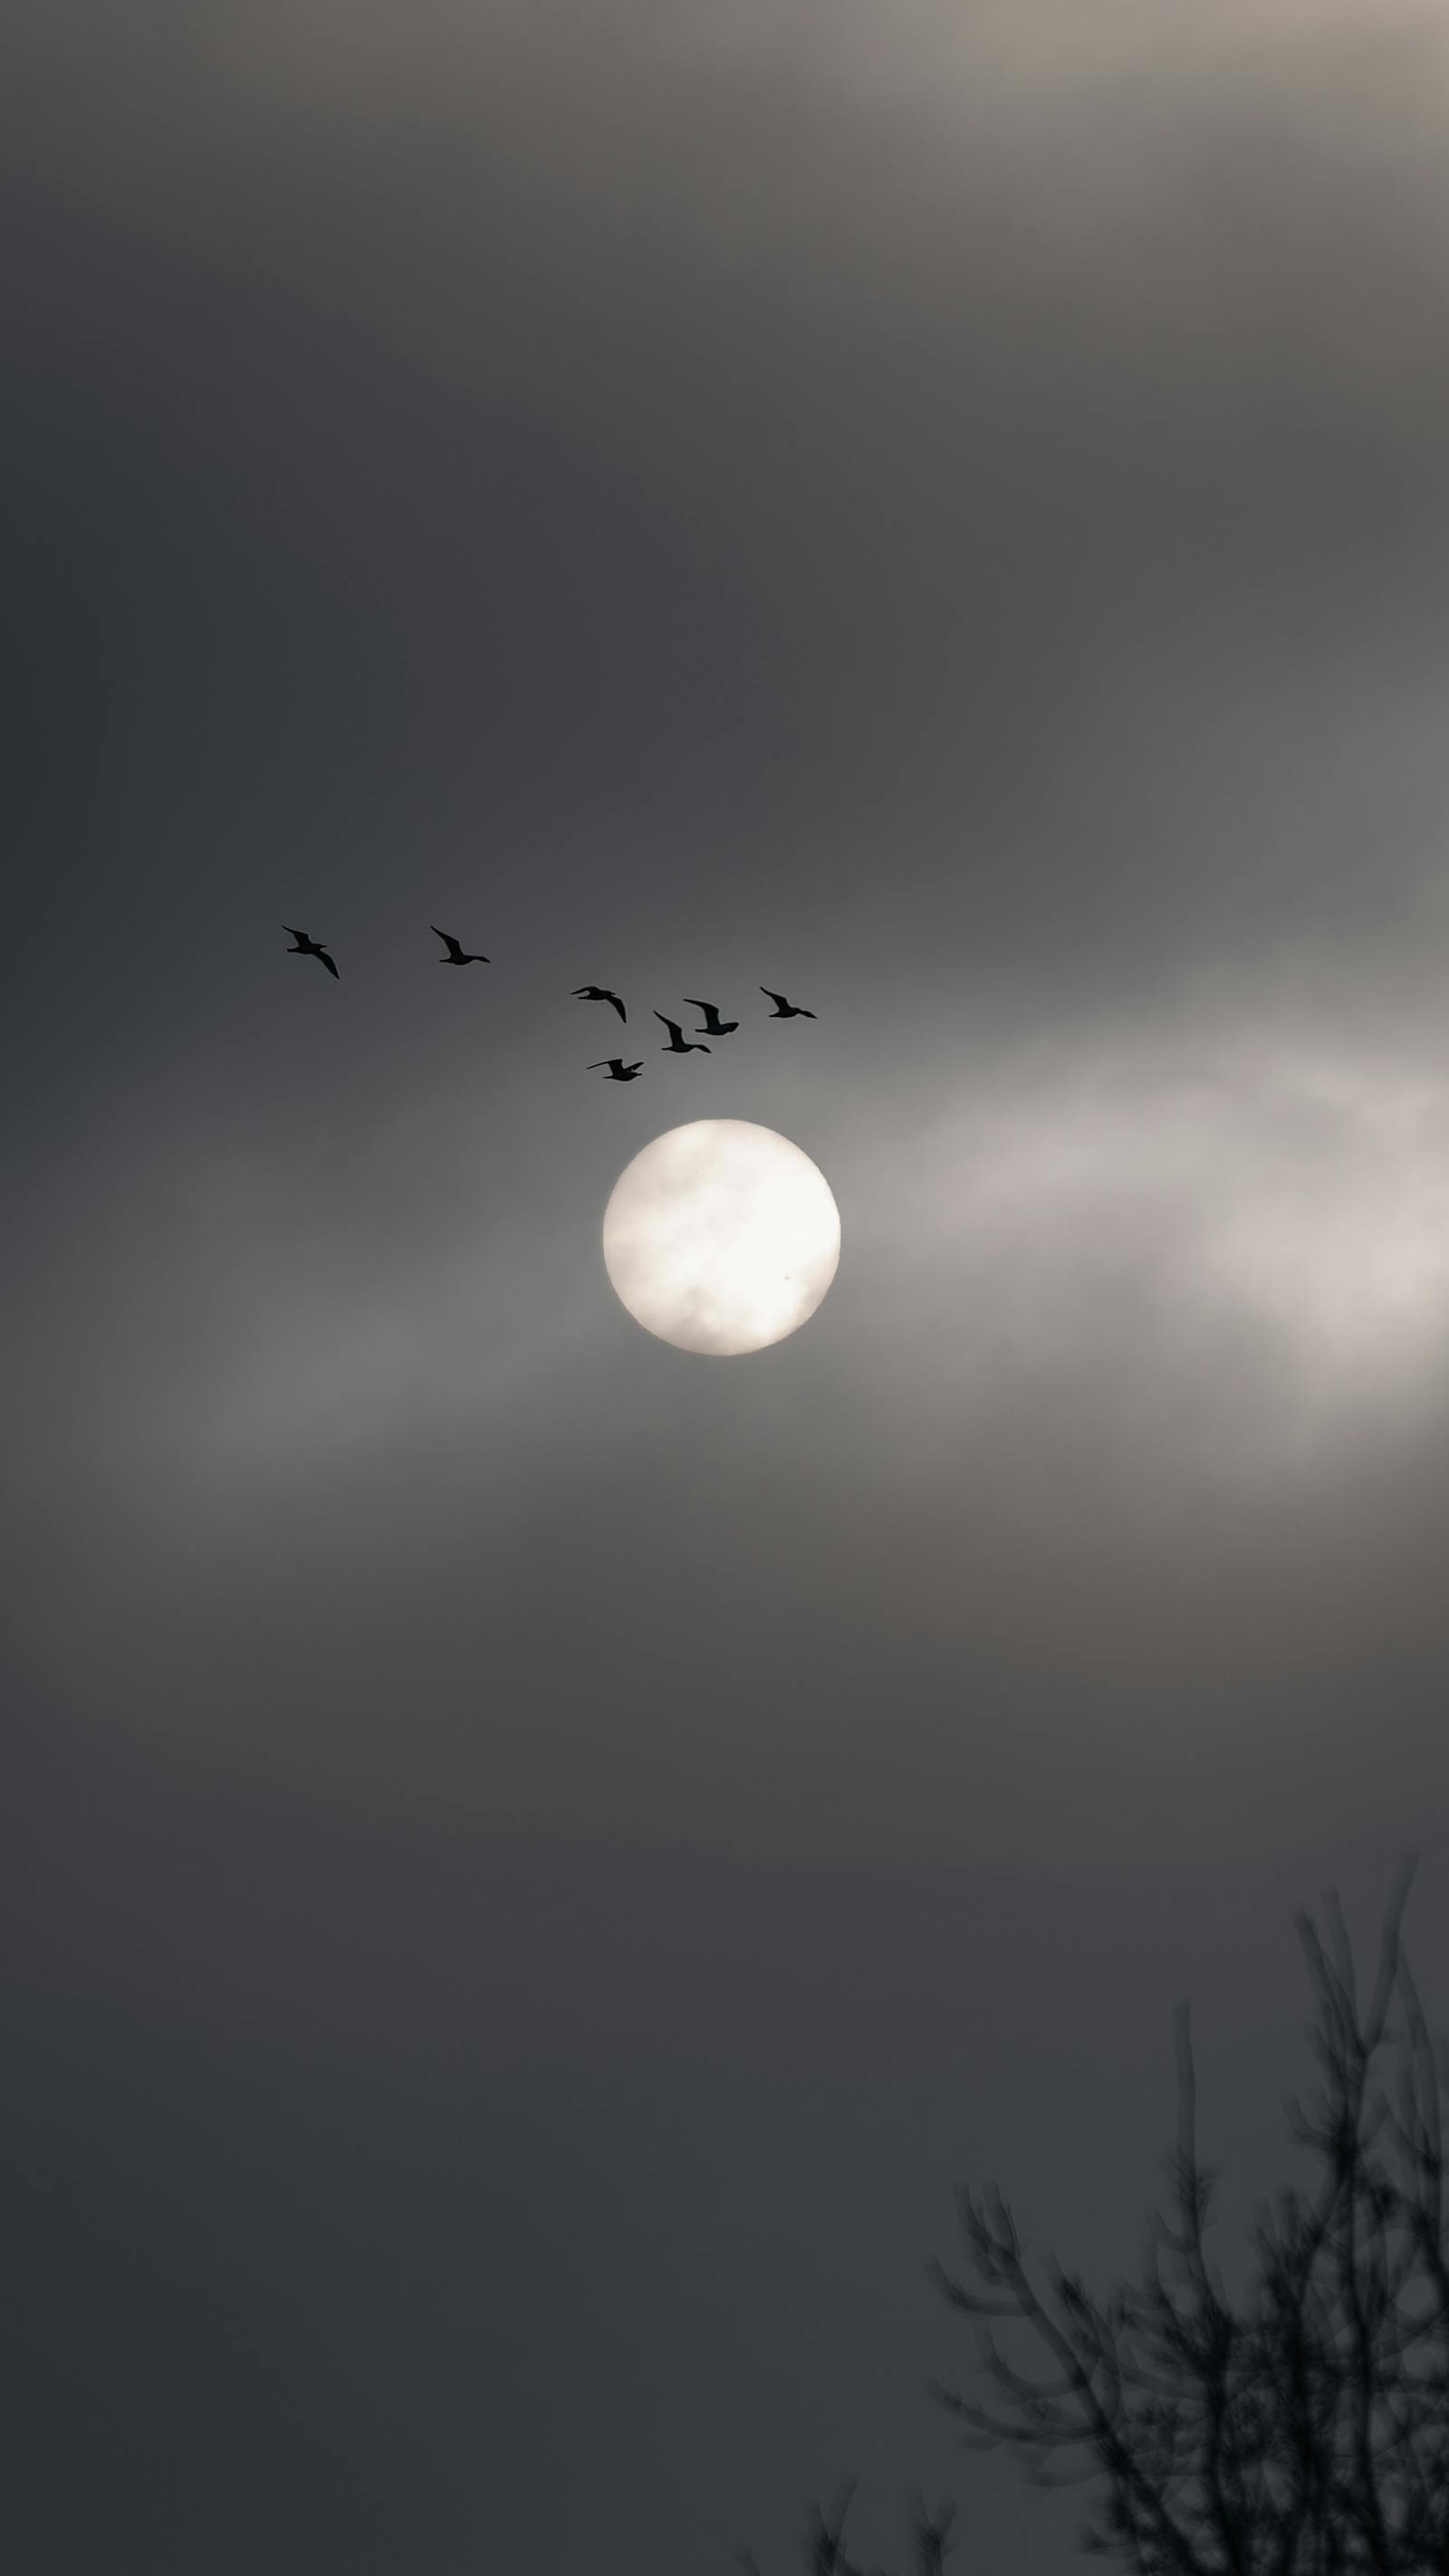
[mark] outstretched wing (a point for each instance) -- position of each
(328, 962)
(672, 1026)
(618, 1005)
(773, 997)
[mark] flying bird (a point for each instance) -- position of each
(784, 1010)
(714, 1026)
(457, 955)
(302, 946)
(618, 1070)
(599, 993)
(679, 1044)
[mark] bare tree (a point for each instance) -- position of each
(824, 2543)
(1302, 2432)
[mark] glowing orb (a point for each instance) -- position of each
(721, 1237)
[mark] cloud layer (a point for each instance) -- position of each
(535, 1860)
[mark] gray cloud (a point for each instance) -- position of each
(534, 1859)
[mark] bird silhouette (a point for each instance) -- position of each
(618, 1070)
(599, 993)
(457, 955)
(679, 1044)
(714, 1026)
(302, 946)
(784, 1010)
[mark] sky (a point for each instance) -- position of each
(536, 1860)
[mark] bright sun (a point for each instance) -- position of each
(721, 1237)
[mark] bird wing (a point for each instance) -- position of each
(618, 1005)
(773, 997)
(329, 963)
(672, 1025)
(696, 1004)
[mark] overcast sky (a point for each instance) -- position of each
(535, 1860)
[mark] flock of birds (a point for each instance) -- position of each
(613, 1067)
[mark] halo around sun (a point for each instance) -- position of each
(721, 1237)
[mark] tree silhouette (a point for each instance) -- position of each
(1302, 2433)
(824, 2543)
